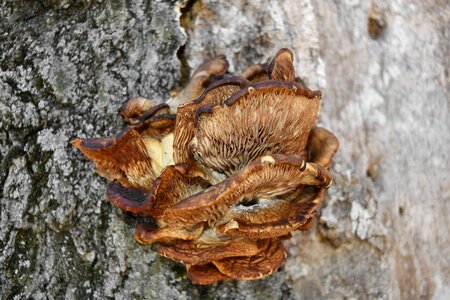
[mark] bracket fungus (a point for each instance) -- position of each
(225, 170)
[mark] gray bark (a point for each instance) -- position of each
(66, 66)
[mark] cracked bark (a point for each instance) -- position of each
(66, 66)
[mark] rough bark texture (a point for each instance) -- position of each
(383, 66)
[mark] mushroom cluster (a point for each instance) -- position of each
(225, 170)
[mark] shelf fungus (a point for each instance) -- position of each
(224, 171)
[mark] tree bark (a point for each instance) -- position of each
(383, 67)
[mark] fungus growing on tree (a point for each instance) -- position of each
(225, 170)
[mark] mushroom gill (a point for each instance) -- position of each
(264, 118)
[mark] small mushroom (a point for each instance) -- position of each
(156, 126)
(174, 184)
(270, 257)
(322, 145)
(273, 220)
(281, 67)
(204, 274)
(128, 198)
(122, 157)
(256, 73)
(134, 108)
(200, 252)
(217, 66)
(268, 176)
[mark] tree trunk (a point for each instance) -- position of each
(383, 67)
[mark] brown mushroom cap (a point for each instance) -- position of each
(268, 260)
(216, 66)
(157, 110)
(322, 145)
(122, 157)
(148, 234)
(200, 252)
(266, 117)
(204, 274)
(185, 120)
(281, 67)
(307, 225)
(265, 177)
(174, 184)
(134, 108)
(156, 126)
(256, 73)
(276, 220)
(128, 198)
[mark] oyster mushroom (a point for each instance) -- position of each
(270, 257)
(201, 252)
(263, 118)
(265, 177)
(270, 218)
(211, 68)
(281, 67)
(185, 129)
(256, 72)
(175, 183)
(122, 157)
(133, 110)
(204, 274)
(225, 171)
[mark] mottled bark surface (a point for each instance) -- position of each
(66, 66)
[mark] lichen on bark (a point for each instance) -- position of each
(67, 66)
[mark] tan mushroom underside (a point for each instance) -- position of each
(254, 122)
(186, 114)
